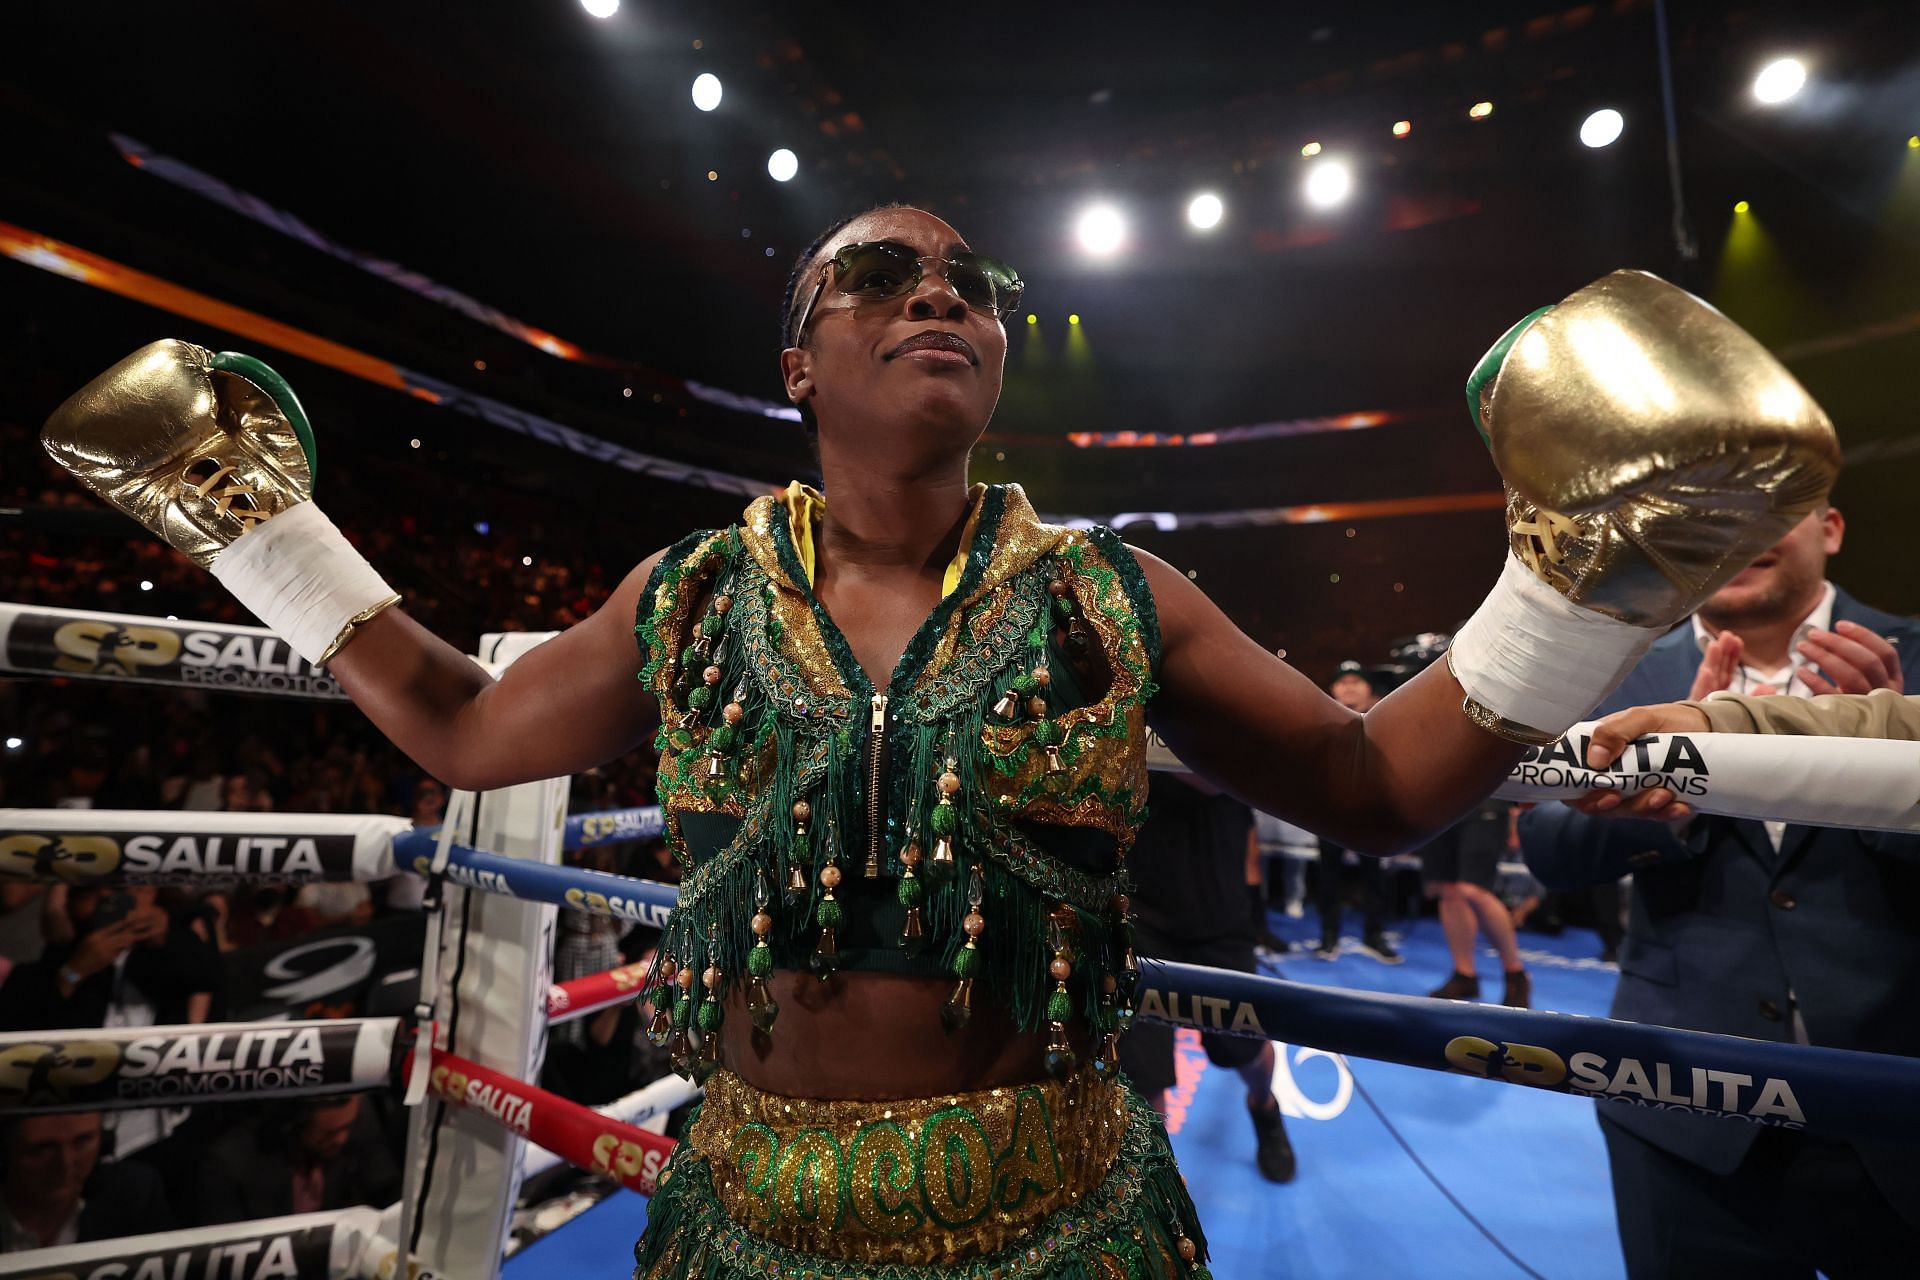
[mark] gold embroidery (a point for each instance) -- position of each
(911, 1181)
(801, 640)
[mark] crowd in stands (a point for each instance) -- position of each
(91, 957)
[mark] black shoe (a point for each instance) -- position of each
(1377, 946)
(1461, 986)
(1329, 949)
(1273, 1152)
(1519, 992)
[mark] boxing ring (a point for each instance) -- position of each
(476, 1034)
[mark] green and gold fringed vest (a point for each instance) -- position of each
(970, 819)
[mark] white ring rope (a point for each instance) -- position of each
(1862, 783)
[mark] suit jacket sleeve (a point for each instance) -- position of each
(1880, 714)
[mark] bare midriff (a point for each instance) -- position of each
(876, 1037)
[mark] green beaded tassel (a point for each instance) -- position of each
(1061, 1059)
(799, 857)
(966, 962)
(945, 822)
(725, 739)
(680, 1051)
(913, 892)
(708, 1017)
(762, 1008)
(828, 915)
(660, 1029)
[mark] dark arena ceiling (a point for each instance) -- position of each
(584, 244)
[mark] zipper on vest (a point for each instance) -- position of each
(876, 780)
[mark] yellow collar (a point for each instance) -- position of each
(805, 505)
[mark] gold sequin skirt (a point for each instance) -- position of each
(1056, 1179)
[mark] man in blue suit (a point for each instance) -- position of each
(1757, 929)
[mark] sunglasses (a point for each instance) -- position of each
(883, 269)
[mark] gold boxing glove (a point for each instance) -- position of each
(213, 453)
(197, 447)
(1651, 449)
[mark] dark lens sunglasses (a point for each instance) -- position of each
(880, 270)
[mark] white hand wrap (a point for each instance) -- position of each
(1534, 664)
(300, 576)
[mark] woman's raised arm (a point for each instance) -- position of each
(567, 705)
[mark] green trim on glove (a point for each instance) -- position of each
(257, 372)
(1489, 367)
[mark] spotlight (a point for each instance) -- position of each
(1401, 128)
(1479, 111)
(145, 585)
(1101, 230)
(1329, 183)
(1074, 318)
(482, 528)
(526, 561)
(414, 443)
(601, 8)
(14, 744)
(1779, 80)
(1205, 211)
(1311, 149)
(782, 165)
(1602, 128)
(1032, 318)
(1741, 206)
(1913, 143)
(706, 91)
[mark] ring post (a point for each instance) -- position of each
(491, 1007)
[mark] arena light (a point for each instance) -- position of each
(1032, 318)
(1329, 183)
(1913, 142)
(782, 165)
(1741, 206)
(1310, 150)
(1602, 128)
(1779, 80)
(146, 585)
(601, 8)
(526, 562)
(14, 744)
(1479, 111)
(1074, 318)
(1401, 128)
(706, 91)
(1101, 230)
(1204, 211)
